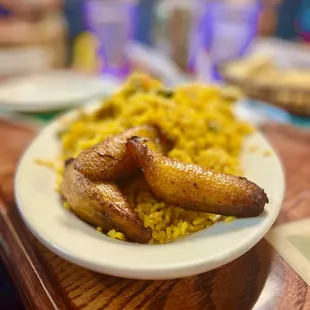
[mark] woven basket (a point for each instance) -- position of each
(295, 100)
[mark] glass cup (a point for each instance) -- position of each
(225, 31)
(112, 23)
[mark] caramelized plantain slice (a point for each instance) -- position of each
(194, 188)
(102, 204)
(109, 160)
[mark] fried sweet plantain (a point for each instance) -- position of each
(194, 188)
(109, 160)
(102, 204)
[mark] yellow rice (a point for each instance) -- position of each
(200, 121)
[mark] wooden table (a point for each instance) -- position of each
(260, 279)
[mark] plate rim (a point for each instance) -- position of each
(58, 104)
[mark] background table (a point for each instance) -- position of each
(260, 279)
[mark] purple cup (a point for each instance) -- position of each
(4, 12)
(112, 23)
(224, 31)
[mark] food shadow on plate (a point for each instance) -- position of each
(72, 221)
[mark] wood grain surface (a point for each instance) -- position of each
(260, 279)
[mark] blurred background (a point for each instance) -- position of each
(106, 36)
(174, 40)
(67, 51)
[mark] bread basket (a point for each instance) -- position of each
(292, 99)
(288, 91)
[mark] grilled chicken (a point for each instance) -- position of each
(109, 159)
(102, 204)
(194, 188)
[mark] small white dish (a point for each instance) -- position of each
(53, 90)
(69, 237)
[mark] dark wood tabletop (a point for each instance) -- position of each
(260, 279)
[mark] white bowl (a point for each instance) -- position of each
(69, 237)
(53, 90)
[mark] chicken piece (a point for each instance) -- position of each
(194, 188)
(109, 159)
(101, 204)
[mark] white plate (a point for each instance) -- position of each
(72, 239)
(52, 90)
